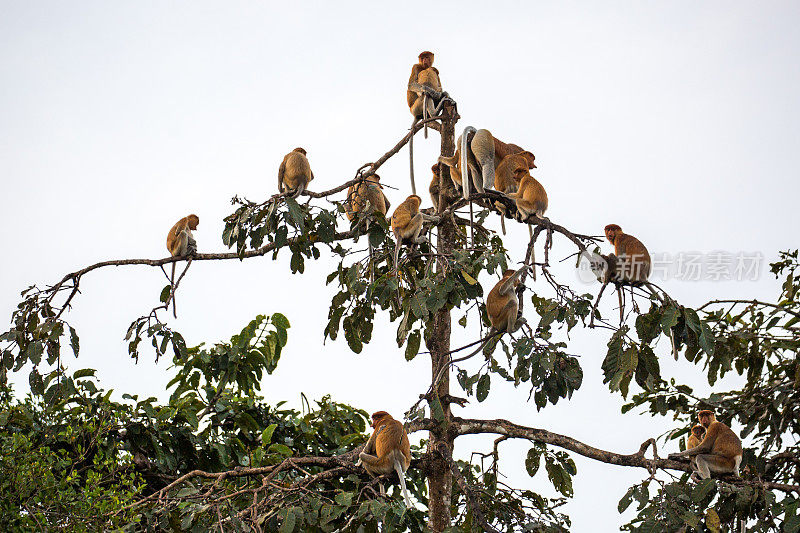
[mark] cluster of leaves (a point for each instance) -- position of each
(301, 228)
(680, 506)
(77, 459)
(506, 508)
(759, 341)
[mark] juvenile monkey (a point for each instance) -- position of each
(294, 173)
(719, 452)
(407, 224)
(694, 439)
(180, 242)
(507, 177)
(449, 191)
(387, 449)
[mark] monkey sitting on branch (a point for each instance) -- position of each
(424, 95)
(387, 450)
(407, 222)
(294, 173)
(180, 242)
(720, 451)
(629, 265)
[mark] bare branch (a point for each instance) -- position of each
(504, 427)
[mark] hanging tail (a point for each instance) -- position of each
(401, 474)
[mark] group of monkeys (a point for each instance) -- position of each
(490, 163)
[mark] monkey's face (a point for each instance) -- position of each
(698, 431)
(611, 235)
(705, 418)
(426, 61)
(193, 221)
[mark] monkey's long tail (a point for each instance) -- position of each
(299, 191)
(465, 178)
(172, 292)
(400, 474)
(425, 114)
(411, 157)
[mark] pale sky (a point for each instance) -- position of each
(679, 121)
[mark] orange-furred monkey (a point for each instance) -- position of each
(180, 242)
(633, 259)
(387, 449)
(295, 172)
(407, 224)
(720, 451)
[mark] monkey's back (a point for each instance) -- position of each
(533, 194)
(172, 236)
(393, 436)
(358, 195)
(296, 170)
(634, 258)
(495, 302)
(403, 214)
(727, 442)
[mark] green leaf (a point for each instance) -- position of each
(483, 387)
(344, 498)
(281, 449)
(288, 515)
(532, 461)
(703, 489)
(280, 321)
(165, 294)
(84, 372)
(412, 348)
(266, 435)
(469, 279)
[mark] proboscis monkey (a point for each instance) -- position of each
(387, 450)
(475, 151)
(502, 306)
(507, 177)
(367, 197)
(719, 452)
(424, 91)
(407, 225)
(450, 191)
(501, 151)
(531, 199)
(694, 439)
(631, 262)
(294, 173)
(633, 259)
(180, 242)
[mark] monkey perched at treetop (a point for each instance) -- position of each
(294, 173)
(423, 93)
(428, 84)
(180, 242)
(386, 450)
(719, 452)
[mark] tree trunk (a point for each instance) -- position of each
(440, 479)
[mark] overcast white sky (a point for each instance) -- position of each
(678, 121)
